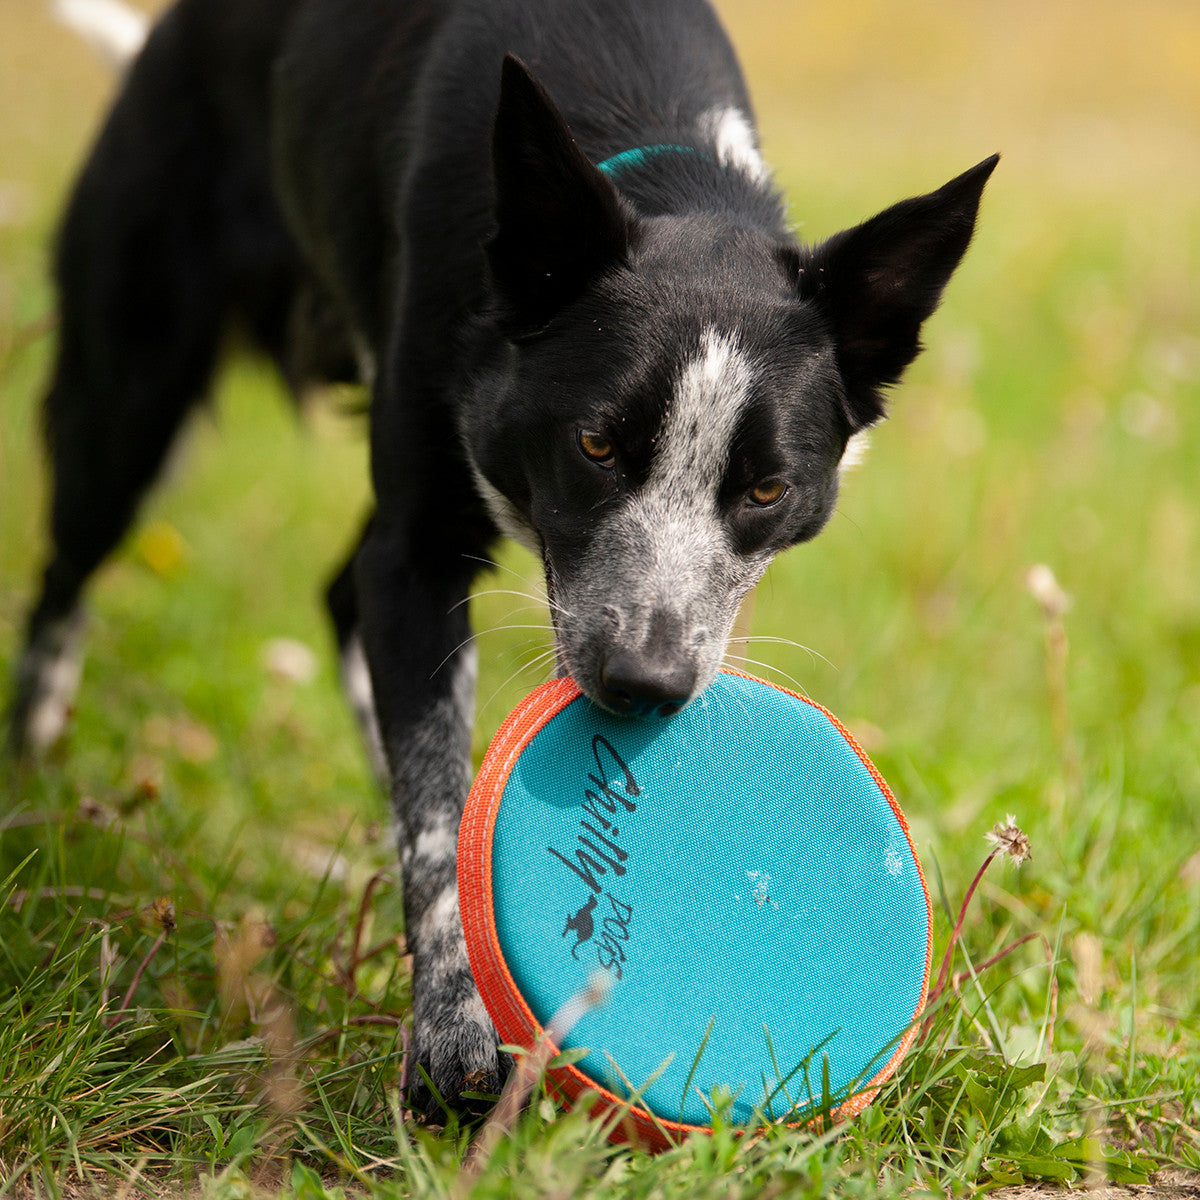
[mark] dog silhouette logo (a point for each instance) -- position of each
(583, 925)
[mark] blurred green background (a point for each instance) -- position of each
(1053, 419)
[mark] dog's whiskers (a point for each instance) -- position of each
(542, 601)
(720, 701)
(535, 663)
(770, 669)
(540, 596)
(461, 646)
(780, 641)
(541, 628)
(534, 600)
(477, 634)
(493, 565)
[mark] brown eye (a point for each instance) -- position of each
(769, 492)
(596, 447)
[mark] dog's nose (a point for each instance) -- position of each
(647, 685)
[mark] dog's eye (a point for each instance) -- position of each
(769, 492)
(596, 447)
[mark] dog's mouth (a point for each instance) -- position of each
(652, 675)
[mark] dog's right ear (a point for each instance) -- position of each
(878, 282)
(559, 222)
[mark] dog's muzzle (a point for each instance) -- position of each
(654, 680)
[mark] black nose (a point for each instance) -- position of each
(648, 684)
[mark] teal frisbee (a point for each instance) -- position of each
(739, 874)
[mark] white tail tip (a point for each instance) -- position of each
(115, 30)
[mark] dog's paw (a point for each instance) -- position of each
(455, 1050)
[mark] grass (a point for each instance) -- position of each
(202, 982)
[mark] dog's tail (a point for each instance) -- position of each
(115, 30)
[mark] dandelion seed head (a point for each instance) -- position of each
(1011, 840)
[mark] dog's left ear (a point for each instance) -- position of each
(876, 284)
(559, 222)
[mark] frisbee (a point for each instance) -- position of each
(741, 876)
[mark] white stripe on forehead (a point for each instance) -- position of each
(666, 549)
(710, 393)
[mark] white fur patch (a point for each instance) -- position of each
(710, 394)
(508, 518)
(442, 914)
(735, 140)
(855, 452)
(115, 30)
(675, 518)
(50, 714)
(57, 662)
(473, 1010)
(356, 679)
(436, 844)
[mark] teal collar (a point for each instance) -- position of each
(640, 155)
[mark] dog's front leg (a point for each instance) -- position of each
(413, 589)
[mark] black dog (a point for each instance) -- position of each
(585, 323)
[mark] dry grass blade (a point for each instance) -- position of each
(528, 1070)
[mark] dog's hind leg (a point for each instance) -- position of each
(341, 599)
(172, 229)
(144, 282)
(135, 354)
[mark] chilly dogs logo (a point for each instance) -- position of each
(612, 794)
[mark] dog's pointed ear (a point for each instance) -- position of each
(559, 221)
(877, 283)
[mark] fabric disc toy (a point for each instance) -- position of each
(741, 875)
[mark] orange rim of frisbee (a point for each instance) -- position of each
(512, 1016)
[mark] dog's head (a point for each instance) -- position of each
(676, 394)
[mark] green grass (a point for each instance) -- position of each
(255, 1038)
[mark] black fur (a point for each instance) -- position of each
(341, 177)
